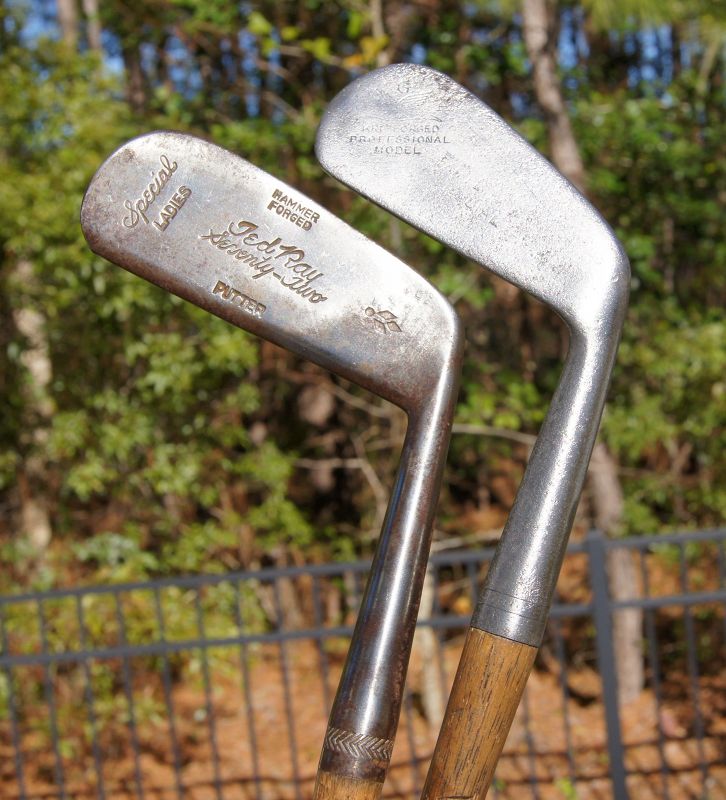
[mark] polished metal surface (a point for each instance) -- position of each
(421, 146)
(215, 230)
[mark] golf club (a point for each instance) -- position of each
(210, 227)
(423, 147)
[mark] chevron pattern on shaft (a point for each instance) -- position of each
(358, 745)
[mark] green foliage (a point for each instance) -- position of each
(567, 789)
(609, 14)
(117, 557)
(660, 172)
(223, 611)
(172, 439)
(149, 393)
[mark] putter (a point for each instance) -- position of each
(421, 146)
(210, 227)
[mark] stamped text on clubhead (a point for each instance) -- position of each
(230, 238)
(421, 146)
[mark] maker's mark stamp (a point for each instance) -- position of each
(384, 321)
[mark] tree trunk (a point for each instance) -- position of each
(539, 19)
(424, 642)
(93, 25)
(68, 21)
(607, 501)
(135, 83)
(32, 476)
(35, 524)
(378, 29)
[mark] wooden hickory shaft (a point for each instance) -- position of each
(499, 650)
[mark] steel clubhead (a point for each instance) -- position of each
(424, 148)
(212, 228)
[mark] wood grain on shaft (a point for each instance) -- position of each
(492, 674)
(341, 787)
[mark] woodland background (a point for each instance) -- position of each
(141, 437)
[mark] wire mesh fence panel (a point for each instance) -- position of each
(218, 686)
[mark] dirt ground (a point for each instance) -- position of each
(559, 743)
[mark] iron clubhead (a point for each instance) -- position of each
(426, 149)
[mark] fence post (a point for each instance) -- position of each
(602, 617)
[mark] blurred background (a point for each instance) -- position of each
(142, 439)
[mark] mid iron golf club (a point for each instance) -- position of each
(421, 146)
(213, 229)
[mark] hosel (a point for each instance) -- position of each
(518, 590)
(364, 718)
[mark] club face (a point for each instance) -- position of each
(212, 228)
(421, 146)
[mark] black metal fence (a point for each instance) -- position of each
(218, 686)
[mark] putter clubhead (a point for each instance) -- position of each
(424, 148)
(238, 242)
(212, 228)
